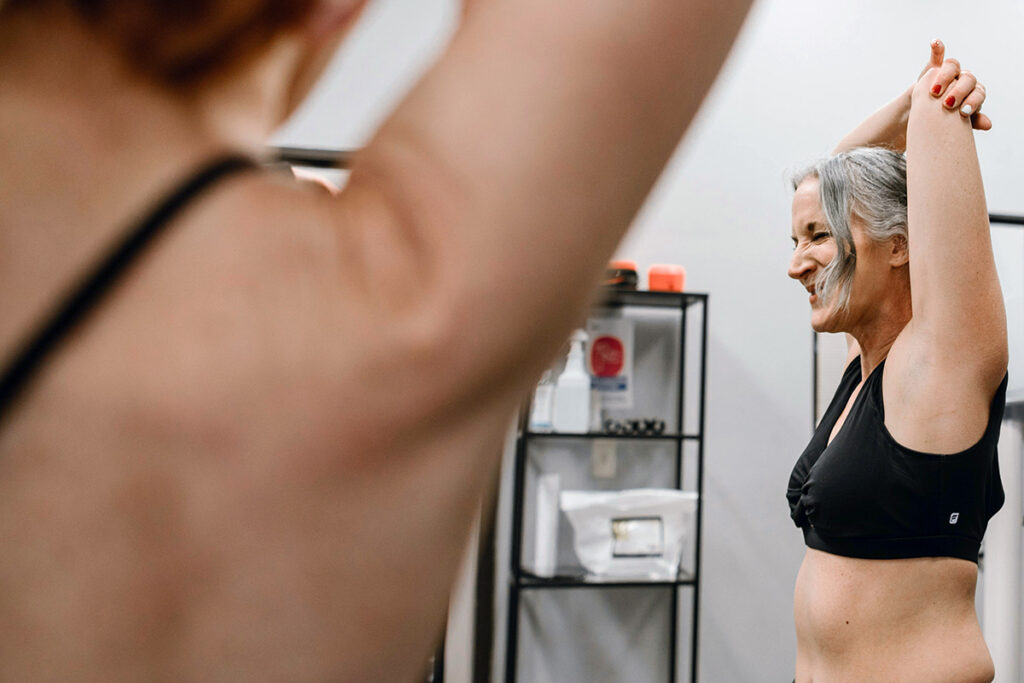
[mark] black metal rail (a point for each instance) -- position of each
(1006, 219)
(315, 158)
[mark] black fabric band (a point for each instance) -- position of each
(894, 548)
(89, 293)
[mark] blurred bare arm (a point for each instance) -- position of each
(507, 177)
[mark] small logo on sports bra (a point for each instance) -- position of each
(953, 517)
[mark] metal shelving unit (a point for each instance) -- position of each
(521, 580)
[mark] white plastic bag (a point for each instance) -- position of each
(638, 533)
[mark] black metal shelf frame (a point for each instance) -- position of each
(521, 580)
(528, 580)
(590, 436)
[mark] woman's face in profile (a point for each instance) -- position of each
(813, 249)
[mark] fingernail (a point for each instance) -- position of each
(950, 101)
(936, 89)
(967, 110)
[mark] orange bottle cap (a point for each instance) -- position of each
(666, 278)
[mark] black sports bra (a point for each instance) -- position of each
(865, 495)
(89, 293)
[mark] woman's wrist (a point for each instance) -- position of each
(907, 97)
(920, 92)
(906, 101)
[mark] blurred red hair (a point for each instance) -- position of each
(181, 42)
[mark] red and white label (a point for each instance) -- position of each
(607, 356)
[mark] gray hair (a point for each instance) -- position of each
(869, 183)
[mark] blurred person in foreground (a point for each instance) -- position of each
(255, 453)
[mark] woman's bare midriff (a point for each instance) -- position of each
(909, 620)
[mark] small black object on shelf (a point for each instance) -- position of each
(634, 427)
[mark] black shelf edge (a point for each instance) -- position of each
(611, 297)
(528, 581)
(589, 436)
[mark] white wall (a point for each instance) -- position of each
(802, 74)
(392, 45)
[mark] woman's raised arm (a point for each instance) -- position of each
(957, 301)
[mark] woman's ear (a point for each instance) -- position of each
(899, 254)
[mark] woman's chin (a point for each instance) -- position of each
(822, 322)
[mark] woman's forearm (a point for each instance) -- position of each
(887, 127)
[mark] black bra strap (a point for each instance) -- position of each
(95, 285)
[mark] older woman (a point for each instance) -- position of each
(250, 446)
(898, 483)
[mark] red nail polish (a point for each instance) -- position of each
(936, 88)
(950, 101)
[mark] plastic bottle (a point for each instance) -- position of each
(543, 404)
(572, 393)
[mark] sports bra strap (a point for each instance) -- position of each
(90, 291)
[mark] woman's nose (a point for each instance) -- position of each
(799, 265)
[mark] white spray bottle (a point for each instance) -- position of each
(572, 393)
